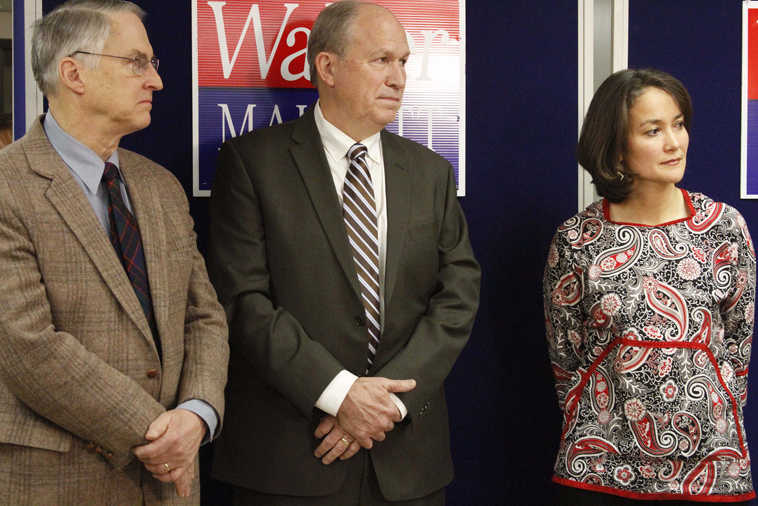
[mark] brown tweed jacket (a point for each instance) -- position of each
(80, 377)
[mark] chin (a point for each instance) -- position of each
(143, 122)
(386, 117)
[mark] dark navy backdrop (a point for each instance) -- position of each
(700, 43)
(521, 183)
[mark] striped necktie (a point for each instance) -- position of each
(359, 212)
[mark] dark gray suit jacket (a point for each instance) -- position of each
(282, 266)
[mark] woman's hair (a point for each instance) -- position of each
(606, 126)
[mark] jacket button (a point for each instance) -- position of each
(360, 321)
(152, 373)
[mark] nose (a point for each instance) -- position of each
(672, 142)
(396, 76)
(153, 79)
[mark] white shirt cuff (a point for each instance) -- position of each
(400, 406)
(335, 392)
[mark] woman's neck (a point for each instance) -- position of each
(650, 206)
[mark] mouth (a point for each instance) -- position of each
(672, 162)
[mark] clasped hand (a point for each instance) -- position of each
(365, 416)
(175, 437)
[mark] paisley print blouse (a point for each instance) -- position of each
(649, 331)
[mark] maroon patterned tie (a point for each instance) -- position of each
(125, 237)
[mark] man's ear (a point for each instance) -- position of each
(325, 66)
(70, 75)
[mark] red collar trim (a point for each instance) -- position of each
(687, 202)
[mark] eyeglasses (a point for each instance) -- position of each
(138, 64)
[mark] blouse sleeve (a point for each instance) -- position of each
(738, 308)
(563, 289)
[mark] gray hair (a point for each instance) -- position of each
(330, 31)
(76, 25)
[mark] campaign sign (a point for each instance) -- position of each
(749, 141)
(250, 70)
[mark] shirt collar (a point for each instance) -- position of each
(336, 142)
(82, 161)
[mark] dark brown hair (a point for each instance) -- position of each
(605, 128)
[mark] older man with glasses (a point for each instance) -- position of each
(114, 350)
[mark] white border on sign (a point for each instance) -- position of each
(196, 191)
(743, 106)
(462, 102)
(33, 95)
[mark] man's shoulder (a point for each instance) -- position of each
(142, 167)
(276, 134)
(398, 148)
(17, 157)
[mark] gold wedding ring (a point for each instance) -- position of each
(346, 440)
(165, 466)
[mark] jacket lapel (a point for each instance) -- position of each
(398, 193)
(67, 197)
(309, 157)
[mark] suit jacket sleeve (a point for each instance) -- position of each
(268, 336)
(206, 350)
(50, 371)
(444, 329)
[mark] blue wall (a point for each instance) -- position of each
(521, 78)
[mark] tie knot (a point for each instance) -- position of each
(357, 152)
(110, 173)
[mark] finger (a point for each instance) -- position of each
(328, 442)
(153, 453)
(165, 478)
(188, 478)
(164, 468)
(400, 385)
(325, 426)
(365, 442)
(184, 485)
(351, 450)
(159, 426)
(337, 450)
(378, 436)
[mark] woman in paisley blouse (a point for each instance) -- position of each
(649, 302)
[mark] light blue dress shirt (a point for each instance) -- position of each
(87, 168)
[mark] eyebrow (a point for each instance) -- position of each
(656, 121)
(390, 53)
(135, 53)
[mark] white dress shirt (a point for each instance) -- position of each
(336, 144)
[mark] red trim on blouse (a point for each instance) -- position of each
(662, 496)
(687, 202)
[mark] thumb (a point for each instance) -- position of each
(158, 427)
(401, 385)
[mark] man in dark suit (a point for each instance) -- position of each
(341, 256)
